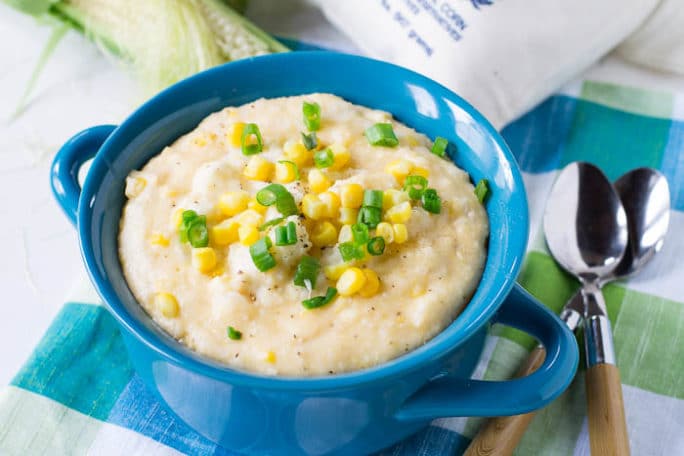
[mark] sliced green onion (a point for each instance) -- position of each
(294, 166)
(324, 158)
(186, 218)
(320, 301)
(234, 334)
(360, 233)
(307, 270)
(278, 195)
(286, 235)
(376, 246)
(312, 116)
(351, 251)
(251, 130)
(270, 223)
(381, 134)
(372, 198)
(415, 186)
(431, 201)
(198, 235)
(481, 190)
(261, 257)
(371, 216)
(439, 146)
(310, 141)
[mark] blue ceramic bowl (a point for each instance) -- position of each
(351, 413)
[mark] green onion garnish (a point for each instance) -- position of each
(261, 257)
(234, 334)
(372, 198)
(324, 158)
(310, 141)
(270, 223)
(320, 301)
(376, 246)
(278, 195)
(187, 217)
(312, 116)
(286, 235)
(381, 134)
(360, 233)
(371, 216)
(249, 133)
(415, 186)
(351, 251)
(294, 166)
(193, 229)
(307, 270)
(439, 146)
(431, 201)
(481, 190)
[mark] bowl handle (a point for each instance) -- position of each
(449, 396)
(64, 171)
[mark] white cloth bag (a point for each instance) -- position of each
(503, 56)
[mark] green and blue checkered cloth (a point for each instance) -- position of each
(78, 394)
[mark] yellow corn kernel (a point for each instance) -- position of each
(341, 156)
(167, 304)
(351, 195)
(392, 197)
(331, 202)
(372, 285)
(254, 205)
(248, 235)
(399, 169)
(177, 217)
(224, 233)
(351, 281)
(203, 259)
(324, 234)
(313, 207)
(249, 218)
(232, 203)
(135, 186)
(400, 233)
(215, 216)
(400, 213)
(318, 182)
(420, 171)
(200, 141)
(348, 215)
(159, 239)
(258, 168)
(285, 172)
(270, 357)
(296, 152)
(335, 271)
(235, 134)
(345, 234)
(386, 231)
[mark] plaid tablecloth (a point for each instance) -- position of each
(78, 394)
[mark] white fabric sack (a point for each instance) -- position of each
(503, 56)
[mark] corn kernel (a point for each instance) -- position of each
(392, 197)
(248, 235)
(159, 239)
(235, 134)
(296, 152)
(341, 156)
(203, 259)
(351, 281)
(420, 171)
(400, 233)
(270, 357)
(313, 207)
(249, 218)
(167, 304)
(135, 186)
(285, 173)
(400, 213)
(177, 217)
(254, 205)
(345, 234)
(335, 271)
(351, 195)
(318, 182)
(324, 234)
(399, 169)
(386, 231)
(348, 215)
(258, 168)
(232, 203)
(372, 285)
(224, 233)
(331, 202)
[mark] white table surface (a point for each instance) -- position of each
(40, 263)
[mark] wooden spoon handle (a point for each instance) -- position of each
(607, 426)
(501, 435)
